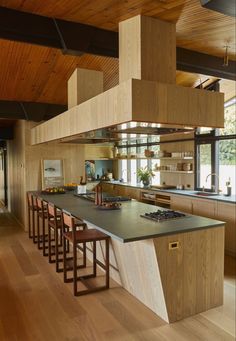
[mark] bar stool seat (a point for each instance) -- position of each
(55, 226)
(84, 236)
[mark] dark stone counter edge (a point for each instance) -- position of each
(212, 224)
(127, 240)
(229, 200)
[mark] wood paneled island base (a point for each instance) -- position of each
(173, 267)
(174, 283)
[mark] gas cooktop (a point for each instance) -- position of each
(163, 215)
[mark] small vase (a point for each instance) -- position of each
(146, 183)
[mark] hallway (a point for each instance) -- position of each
(35, 304)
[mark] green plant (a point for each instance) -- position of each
(145, 173)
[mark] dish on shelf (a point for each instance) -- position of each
(149, 196)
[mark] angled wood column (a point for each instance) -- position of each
(83, 85)
(147, 50)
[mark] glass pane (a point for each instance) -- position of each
(124, 172)
(133, 171)
(230, 127)
(156, 178)
(205, 165)
(227, 164)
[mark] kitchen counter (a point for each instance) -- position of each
(174, 267)
(191, 193)
(126, 224)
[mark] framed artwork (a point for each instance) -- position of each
(52, 173)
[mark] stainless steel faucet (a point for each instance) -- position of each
(214, 188)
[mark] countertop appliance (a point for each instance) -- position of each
(163, 215)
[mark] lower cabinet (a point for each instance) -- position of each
(181, 203)
(204, 207)
(227, 213)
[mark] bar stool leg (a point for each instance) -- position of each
(84, 255)
(43, 236)
(33, 226)
(75, 268)
(38, 232)
(29, 222)
(94, 259)
(64, 260)
(56, 250)
(49, 245)
(107, 264)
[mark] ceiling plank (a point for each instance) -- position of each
(76, 39)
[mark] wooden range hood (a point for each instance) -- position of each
(146, 92)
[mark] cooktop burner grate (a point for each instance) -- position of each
(163, 215)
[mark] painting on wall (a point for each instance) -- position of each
(52, 173)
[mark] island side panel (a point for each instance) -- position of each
(134, 266)
(140, 275)
(192, 274)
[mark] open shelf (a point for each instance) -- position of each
(169, 171)
(154, 158)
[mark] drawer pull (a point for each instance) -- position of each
(174, 245)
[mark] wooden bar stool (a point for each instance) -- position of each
(55, 226)
(32, 209)
(42, 215)
(84, 236)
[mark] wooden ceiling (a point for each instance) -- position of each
(40, 74)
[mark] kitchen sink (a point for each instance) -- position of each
(205, 194)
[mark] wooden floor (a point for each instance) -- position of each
(35, 304)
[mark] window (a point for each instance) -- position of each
(205, 165)
(134, 150)
(216, 153)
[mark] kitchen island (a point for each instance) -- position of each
(174, 267)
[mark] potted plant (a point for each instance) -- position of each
(145, 174)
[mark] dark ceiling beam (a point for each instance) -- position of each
(72, 38)
(227, 7)
(201, 63)
(76, 39)
(36, 112)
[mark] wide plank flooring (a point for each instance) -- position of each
(36, 305)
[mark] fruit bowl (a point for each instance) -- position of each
(53, 190)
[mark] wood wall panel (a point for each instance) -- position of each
(16, 169)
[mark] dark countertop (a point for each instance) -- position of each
(230, 199)
(126, 224)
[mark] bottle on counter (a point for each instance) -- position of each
(228, 189)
